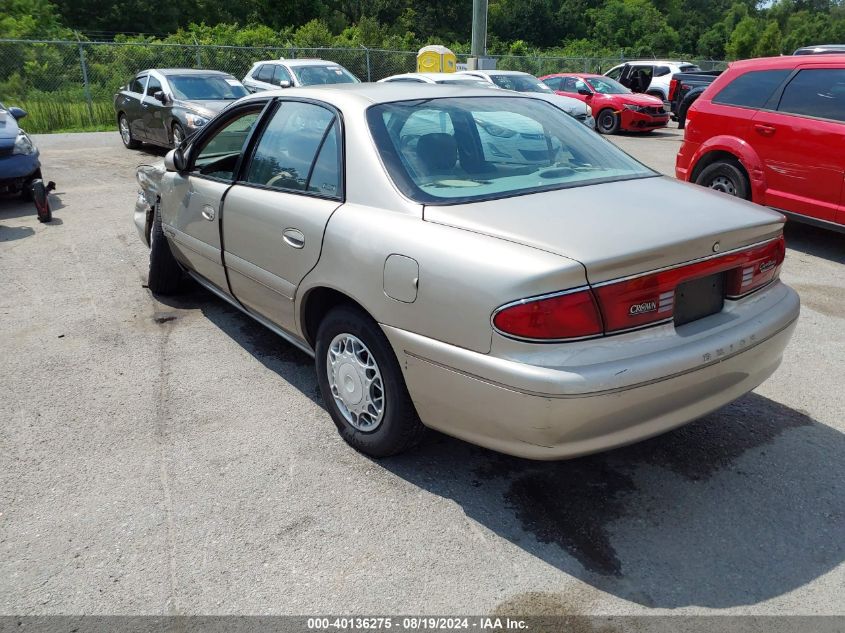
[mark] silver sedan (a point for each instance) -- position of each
(474, 262)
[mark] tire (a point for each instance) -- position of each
(177, 135)
(726, 176)
(378, 431)
(165, 275)
(607, 122)
(126, 133)
(682, 112)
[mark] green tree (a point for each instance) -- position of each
(770, 42)
(743, 40)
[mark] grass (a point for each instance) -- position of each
(44, 117)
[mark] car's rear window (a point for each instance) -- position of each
(689, 68)
(460, 149)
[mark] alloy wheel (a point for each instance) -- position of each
(123, 125)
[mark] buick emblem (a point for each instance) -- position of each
(717, 247)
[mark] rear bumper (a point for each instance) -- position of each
(553, 413)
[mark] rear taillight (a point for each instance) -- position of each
(649, 299)
(673, 86)
(569, 315)
(635, 302)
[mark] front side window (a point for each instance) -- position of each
(153, 86)
(280, 74)
(218, 154)
(751, 90)
(289, 145)
(615, 73)
(818, 92)
(450, 150)
(319, 75)
(137, 85)
(265, 73)
(206, 88)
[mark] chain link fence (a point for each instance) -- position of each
(67, 85)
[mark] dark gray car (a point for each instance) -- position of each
(163, 106)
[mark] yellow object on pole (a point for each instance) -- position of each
(435, 59)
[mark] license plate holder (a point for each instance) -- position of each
(698, 298)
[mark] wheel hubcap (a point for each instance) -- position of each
(723, 184)
(124, 131)
(177, 137)
(606, 122)
(355, 382)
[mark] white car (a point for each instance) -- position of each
(436, 78)
(650, 76)
(525, 82)
(273, 74)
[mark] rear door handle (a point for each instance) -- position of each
(765, 130)
(294, 238)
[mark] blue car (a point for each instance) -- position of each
(19, 163)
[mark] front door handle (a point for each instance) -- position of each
(765, 130)
(293, 238)
(208, 212)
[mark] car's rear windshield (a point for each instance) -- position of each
(328, 74)
(689, 68)
(209, 88)
(461, 149)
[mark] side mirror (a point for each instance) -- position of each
(160, 96)
(284, 83)
(585, 92)
(174, 160)
(17, 113)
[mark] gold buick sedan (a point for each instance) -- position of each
(472, 261)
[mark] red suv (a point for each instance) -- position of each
(773, 131)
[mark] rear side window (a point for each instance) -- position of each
(752, 89)
(555, 83)
(660, 71)
(818, 93)
(289, 146)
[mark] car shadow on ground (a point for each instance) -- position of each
(816, 241)
(12, 207)
(739, 507)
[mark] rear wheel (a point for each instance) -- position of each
(165, 276)
(362, 385)
(607, 122)
(126, 133)
(726, 176)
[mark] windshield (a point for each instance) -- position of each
(464, 82)
(520, 83)
(209, 88)
(451, 150)
(607, 86)
(328, 74)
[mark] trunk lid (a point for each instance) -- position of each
(622, 228)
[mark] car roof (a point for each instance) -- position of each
(658, 62)
(494, 72)
(187, 71)
(366, 94)
(581, 75)
(302, 61)
(785, 61)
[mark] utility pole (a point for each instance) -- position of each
(478, 54)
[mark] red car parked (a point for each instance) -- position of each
(773, 131)
(614, 106)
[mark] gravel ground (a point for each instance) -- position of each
(174, 458)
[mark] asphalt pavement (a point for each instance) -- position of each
(173, 457)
